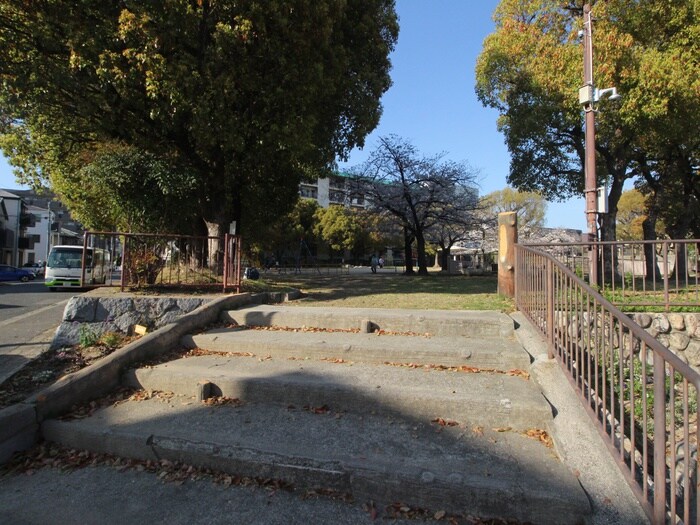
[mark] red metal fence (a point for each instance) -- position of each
(141, 260)
(642, 397)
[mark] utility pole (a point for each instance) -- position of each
(589, 96)
(589, 162)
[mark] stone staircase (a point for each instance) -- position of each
(432, 409)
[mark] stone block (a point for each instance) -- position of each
(677, 321)
(692, 325)
(643, 320)
(661, 324)
(692, 353)
(110, 308)
(678, 341)
(80, 309)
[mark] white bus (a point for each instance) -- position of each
(64, 266)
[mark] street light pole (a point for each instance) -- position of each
(589, 160)
(589, 96)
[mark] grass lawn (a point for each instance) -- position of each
(387, 289)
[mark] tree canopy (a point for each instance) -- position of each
(530, 70)
(529, 206)
(242, 98)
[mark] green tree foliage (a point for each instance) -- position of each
(531, 67)
(118, 187)
(289, 235)
(339, 227)
(419, 192)
(246, 96)
(529, 206)
(353, 230)
(632, 214)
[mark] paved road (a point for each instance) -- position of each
(29, 315)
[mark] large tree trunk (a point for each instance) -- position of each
(652, 272)
(408, 250)
(215, 245)
(422, 259)
(610, 260)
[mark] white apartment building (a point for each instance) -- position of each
(332, 190)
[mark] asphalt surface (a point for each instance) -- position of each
(29, 316)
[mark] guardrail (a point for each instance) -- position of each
(141, 260)
(662, 274)
(641, 396)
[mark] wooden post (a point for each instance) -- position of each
(507, 238)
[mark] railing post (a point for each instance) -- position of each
(507, 238)
(659, 439)
(550, 308)
(666, 272)
(227, 240)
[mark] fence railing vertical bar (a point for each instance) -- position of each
(672, 449)
(686, 444)
(631, 430)
(549, 306)
(659, 430)
(645, 423)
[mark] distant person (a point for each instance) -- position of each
(381, 262)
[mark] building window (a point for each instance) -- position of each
(336, 196)
(308, 192)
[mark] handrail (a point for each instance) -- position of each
(642, 397)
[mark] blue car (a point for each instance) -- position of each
(10, 273)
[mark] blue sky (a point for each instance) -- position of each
(432, 101)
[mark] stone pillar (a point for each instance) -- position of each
(507, 238)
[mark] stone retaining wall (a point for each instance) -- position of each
(119, 314)
(680, 332)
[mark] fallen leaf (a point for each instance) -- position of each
(445, 422)
(540, 435)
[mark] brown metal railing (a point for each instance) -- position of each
(141, 260)
(660, 274)
(642, 397)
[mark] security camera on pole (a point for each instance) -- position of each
(588, 96)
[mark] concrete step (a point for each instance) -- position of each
(492, 353)
(477, 324)
(489, 399)
(387, 456)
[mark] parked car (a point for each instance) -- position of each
(11, 273)
(38, 268)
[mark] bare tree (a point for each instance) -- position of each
(420, 192)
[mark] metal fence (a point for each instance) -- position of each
(141, 260)
(642, 397)
(661, 274)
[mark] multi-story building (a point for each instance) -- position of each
(335, 189)
(10, 215)
(30, 224)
